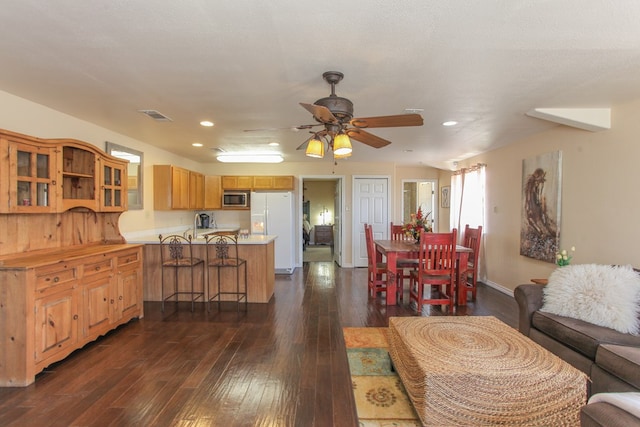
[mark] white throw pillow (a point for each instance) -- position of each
(600, 294)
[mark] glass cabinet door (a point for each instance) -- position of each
(113, 188)
(31, 174)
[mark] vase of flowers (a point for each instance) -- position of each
(418, 222)
(563, 258)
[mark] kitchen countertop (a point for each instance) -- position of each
(251, 239)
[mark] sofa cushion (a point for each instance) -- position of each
(603, 414)
(621, 361)
(579, 335)
(604, 295)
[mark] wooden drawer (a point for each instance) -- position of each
(129, 258)
(97, 265)
(55, 275)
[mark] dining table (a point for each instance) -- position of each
(399, 249)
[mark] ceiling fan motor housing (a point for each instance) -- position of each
(341, 108)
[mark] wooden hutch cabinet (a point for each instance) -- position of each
(48, 176)
(66, 274)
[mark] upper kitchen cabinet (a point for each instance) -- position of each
(237, 182)
(281, 182)
(196, 190)
(258, 182)
(49, 176)
(212, 192)
(176, 188)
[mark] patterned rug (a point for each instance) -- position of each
(381, 400)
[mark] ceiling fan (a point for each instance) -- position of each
(336, 115)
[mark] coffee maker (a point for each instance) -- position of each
(204, 221)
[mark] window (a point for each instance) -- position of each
(467, 197)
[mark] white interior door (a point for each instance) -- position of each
(371, 206)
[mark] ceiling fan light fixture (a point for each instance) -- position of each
(315, 148)
(340, 156)
(342, 145)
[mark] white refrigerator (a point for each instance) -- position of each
(272, 214)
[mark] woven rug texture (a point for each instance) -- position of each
(381, 400)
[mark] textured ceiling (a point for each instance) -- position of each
(247, 65)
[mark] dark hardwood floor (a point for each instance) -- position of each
(280, 364)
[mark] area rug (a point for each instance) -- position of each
(381, 400)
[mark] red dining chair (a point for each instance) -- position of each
(404, 266)
(471, 239)
(436, 270)
(377, 274)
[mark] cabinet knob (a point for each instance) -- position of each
(112, 301)
(75, 317)
(98, 268)
(56, 279)
(120, 297)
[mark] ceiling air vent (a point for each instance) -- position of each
(156, 115)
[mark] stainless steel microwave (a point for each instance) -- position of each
(235, 199)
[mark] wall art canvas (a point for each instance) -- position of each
(541, 198)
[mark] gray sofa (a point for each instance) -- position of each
(610, 358)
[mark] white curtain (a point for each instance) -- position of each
(467, 198)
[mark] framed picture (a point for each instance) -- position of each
(445, 196)
(540, 217)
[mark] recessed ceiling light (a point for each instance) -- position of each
(197, 144)
(274, 144)
(206, 123)
(450, 123)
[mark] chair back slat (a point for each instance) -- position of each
(371, 249)
(437, 253)
(471, 239)
(397, 233)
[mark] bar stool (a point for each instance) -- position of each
(222, 254)
(176, 253)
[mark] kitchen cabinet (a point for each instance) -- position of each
(51, 176)
(212, 192)
(53, 302)
(176, 188)
(196, 190)
(323, 234)
(237, 182)
(258, 182)
(278, 182)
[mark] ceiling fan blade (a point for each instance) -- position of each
(367, 138)
(291, 128)
(320, 113)
(388, 121)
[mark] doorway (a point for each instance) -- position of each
(419, 193)
(322, 218)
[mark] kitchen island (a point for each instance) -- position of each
(258, 250)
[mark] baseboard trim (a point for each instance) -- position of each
(498, 287)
